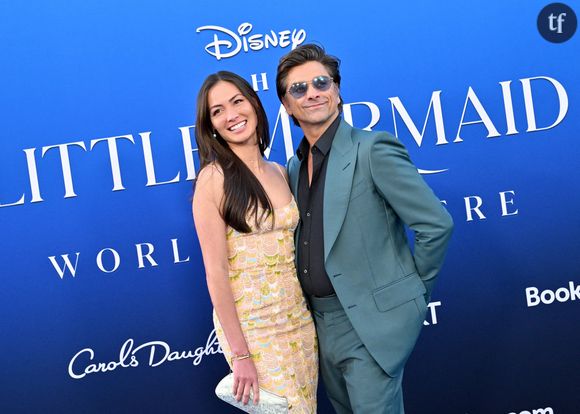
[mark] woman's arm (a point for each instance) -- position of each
(211, 232)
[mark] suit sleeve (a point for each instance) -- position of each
(402, 187)
(292, 169)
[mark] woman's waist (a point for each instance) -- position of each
(257, 266)
(261, 314)
(271, 291)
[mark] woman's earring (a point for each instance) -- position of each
(214, 134)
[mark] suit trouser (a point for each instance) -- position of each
(354, 382)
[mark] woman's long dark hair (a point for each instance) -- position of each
(243, 193)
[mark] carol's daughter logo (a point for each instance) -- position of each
(227, 43)
(155, 353)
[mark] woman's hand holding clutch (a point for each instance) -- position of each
(245, 380)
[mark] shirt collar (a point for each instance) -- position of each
(324, 142)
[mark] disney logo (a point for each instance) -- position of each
(158, 352)
(225, 47)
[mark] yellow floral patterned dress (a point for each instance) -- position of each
(272, 310)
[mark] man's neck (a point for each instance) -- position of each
(313, 132)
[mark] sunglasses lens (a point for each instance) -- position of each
(298, 90)
(322, 83)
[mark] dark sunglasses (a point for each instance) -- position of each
(321, 83)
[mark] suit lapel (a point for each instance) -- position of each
(293, 175)
(339, 175)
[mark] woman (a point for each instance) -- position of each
(245, 218)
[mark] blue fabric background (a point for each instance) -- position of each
(73, 72)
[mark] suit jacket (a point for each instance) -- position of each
(372, 189)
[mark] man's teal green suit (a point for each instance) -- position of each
(372, 189)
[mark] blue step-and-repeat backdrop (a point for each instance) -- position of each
(103, 301)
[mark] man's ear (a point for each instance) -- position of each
(286, 106)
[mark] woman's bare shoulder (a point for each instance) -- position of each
(209, 182)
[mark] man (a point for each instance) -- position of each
(356, 190)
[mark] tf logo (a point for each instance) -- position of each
(557, 22)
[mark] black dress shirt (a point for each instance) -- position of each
(310, 252)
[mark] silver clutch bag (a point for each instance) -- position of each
(269, 403)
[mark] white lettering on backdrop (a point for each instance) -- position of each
(171, 174)
(230, 43)
(155, 352)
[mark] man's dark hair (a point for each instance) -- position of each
(301, 55)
